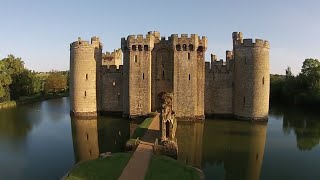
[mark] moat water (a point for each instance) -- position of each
(41, 141)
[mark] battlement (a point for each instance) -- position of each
(117, 53)
(218, 66)
(238, 41)
(113, 69)
(187, 42)
(254, 43)
(140, 42)
(86, 44)
(229, 55)
(95, 38)
(156, 34)
(237, 36)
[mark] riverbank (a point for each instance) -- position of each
(8, 104)
(32, 99)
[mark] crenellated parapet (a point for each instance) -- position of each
(184, 42)
(229, 55)
(139, 42)
(113, 69)
(117, 53)
(188, 43)
(220, 66)
(112, 58)
(95, 42)
(253, 43)
(238, 41)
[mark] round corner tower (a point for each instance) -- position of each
(252, 78)
(83, 101)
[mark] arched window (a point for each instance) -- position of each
(191, 47)
(263, 81)
(200, 49)
(184, 46)
(85, 93)
(86, 76)
(146, 48)
(178, 47)
(114, 83)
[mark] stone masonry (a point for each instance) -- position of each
(152, 65)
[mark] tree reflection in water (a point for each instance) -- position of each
(304, 122)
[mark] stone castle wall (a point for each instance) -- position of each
(162, 70)
(112, 89)
(154, 64)
(252, 77)
(219, 87)
(188, 72)
(112, 58)
(83, 76)
(137, 52)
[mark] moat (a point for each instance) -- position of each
(41, 141)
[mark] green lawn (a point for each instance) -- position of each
(162, 167)
(142, 128)
(102, 168)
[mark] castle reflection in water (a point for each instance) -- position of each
(234, 146)
(94, 136)
(229, 149)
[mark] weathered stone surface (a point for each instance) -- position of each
(152, 65)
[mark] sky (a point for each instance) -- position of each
(40, 32)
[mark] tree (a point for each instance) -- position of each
(14, 66)
(29, 83)
(56, 82)
(310, 73)
(288, 72)
(5, 81)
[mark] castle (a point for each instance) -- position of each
(238, 87)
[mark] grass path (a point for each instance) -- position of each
(138, 165)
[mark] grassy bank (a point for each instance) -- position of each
(40, 97)
(102, 168)
(32, 99)
(142, 128)
(7, 104)
(139, 132)
(162, 167)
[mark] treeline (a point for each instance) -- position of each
(17, 82)
(302, 89)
